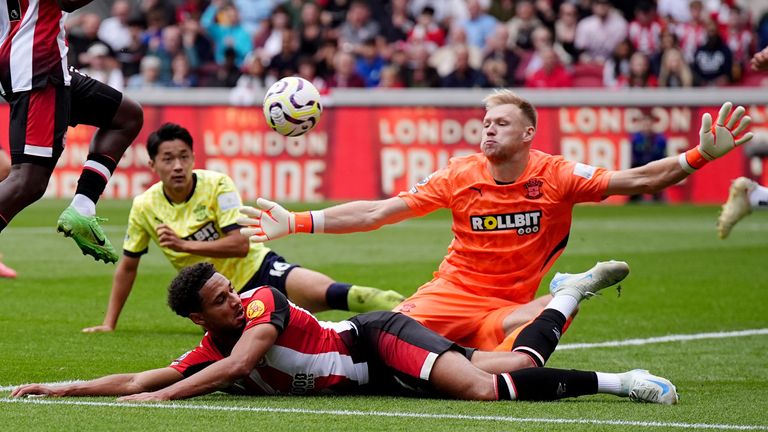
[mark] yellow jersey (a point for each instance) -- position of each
(208, 214)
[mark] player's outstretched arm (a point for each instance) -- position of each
(269, 220)
(111, 385)
(729, 131)
(251, 347)
(122, 284)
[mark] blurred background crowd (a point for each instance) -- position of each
(246, 45)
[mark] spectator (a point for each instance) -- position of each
(286, 62)
(674, 11)
(334, 13)
(463, 75)
(358, 27)
(618, 64)
(640, 74)
(551, 74)
(149, 75)
(674, 71)
(369, 63)
(645, 29)
(168, 47)
(521, 26)
(419, 73)
(503, 10)
(345, 75)
(190, 10)
(647, 146)
(390, 78)
(399, 22)
(546, 13)
(668, 42)
(479, 25)
(542, 40)
(253, 82)
(598, 34)
(308, 71)
(497, 49)
(495, 72)
(222, 23)
(311, 31)
(713, 61)
(253, 12)
(227, 73)
(162, 11)
(269, 42)
(739, 38)
(130, 56)
(193, 38)
(427, 31)
(447, 12)
(693, 33)
(82, 32)
(325, 57)
(444, 58)
(114, 30)
(102, 67)
(181, 72)
(565, 29)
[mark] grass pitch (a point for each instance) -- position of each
(683, 281)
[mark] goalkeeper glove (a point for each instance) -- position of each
(717, 140)
(271, 221)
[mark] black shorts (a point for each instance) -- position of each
(400, 352)
(273, 272)
(40, 117)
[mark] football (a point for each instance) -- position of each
(292, 106)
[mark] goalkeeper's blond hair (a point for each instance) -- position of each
(507, 96)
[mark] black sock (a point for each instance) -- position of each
(97, 170)
(539, 338)
(336, 296)
(3, 223)
(545, 384)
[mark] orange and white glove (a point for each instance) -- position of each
(271, 221)
(717, 140)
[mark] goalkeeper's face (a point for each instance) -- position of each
(173, 164)
(506, 132)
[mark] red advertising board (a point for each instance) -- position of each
(369, 153)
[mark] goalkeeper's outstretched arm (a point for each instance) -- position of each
(269, 220)
(729, 131)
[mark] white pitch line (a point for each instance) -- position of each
(663, 339)
(390, 414)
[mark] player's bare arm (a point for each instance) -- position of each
(233, 245)
(729, 131)
(122, 284)
(111, 385)
(249, 349)
(270, 220)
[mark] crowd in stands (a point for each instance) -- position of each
(248, 44)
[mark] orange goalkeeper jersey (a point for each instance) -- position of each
(506, 236)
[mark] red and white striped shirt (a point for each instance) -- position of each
(309, 356)
(33, 46)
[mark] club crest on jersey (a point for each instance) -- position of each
(255, 309)
(524, 222)
(533, 188)
(421, 182)
(200, 212)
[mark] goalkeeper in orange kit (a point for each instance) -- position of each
(512, 209)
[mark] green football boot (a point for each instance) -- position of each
(366, 299)
(88, 234)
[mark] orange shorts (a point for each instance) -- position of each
(466, 318)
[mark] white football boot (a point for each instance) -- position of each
(736, 207)
(583, 285)
(641, 386)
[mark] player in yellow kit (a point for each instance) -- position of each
(191, 215)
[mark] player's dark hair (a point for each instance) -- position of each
(184, 291)
(167, 132)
